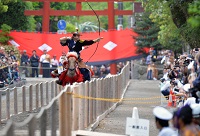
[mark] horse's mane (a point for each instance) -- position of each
(72, 54)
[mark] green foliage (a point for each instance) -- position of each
(194, 11)
(4, 34)
(4, 5)
(173, 17)
(70, 28)
(148, 32)
(15, 17)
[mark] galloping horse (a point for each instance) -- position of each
(71, 73)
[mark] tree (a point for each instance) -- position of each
(15, 17)
(4, 5)
(148, 32)
(4, 34)
(194, 11)
(173, 17)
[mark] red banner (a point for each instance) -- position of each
(116, 45)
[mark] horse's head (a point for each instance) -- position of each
(72, 62)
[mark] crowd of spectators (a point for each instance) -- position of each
(103, 70)
(9, 70)
(181, 75)
(180, 85)
(11, 67)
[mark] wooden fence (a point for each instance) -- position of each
(81, 106)
(26, 98)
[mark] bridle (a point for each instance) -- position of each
(72, 69)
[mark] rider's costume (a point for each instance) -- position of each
(77, 47)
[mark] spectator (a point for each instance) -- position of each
(12, 55)
(149, 58)
(2, 53)
(186, 127)
(96, 72)
(103, 71)
(45, 63)
(63, 57)
(25, 63)
(162, 117)
(34, 60)
(196, 113)
(54, 63)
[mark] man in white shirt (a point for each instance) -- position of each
(45, 64)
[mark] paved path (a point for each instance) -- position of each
(115, 122)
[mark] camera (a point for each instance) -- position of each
(172, 74)
(173, 82)
(186, 62)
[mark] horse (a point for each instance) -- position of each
(71, 72)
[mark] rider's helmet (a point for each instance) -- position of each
(76, 33)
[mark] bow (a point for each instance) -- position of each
(99, 29)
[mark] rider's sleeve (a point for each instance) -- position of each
(86, 42)
(64, 43)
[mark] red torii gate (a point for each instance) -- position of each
(46, 12)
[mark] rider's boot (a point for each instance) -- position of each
(86, 73)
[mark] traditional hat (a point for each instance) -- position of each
(76, 33)
(162, 113)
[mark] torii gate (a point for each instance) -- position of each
(46, 12)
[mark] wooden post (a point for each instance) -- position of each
(52, 90)
(101, 94)
(75, 109)
(10, 130)
(15, 101)
(36, 96)
(43, 123)
(8, 103)
(56, 88)
(47, 92)
(32, 125)
(30, 98)
(86, 105)
(41, 94)
(81, 107)
(24, 98)
(98, 95)
(94, 101)
(90, 104)
(53, 117)
(65, 113)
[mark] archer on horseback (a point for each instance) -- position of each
(75, 44)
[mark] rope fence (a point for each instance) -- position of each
(73, 113)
